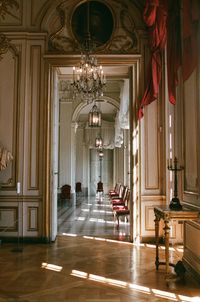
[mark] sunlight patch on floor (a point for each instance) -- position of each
(142, 289)
(51, 267)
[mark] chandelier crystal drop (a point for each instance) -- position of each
(88, 79)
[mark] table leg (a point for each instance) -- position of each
(167, 230)
(157, 220)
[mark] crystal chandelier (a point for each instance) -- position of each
(88, 78)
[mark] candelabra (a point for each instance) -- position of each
(175, 202)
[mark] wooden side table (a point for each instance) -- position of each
(165, 213)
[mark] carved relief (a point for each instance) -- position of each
(123, 38)
(5, 45)
(126, 41)
(8, 7)
(61, 40)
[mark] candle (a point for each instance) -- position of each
(18, 188)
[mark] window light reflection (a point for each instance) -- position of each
(152, 246)
(139, 288)
(80, 218)
(51, 267)
(189, 299)
(164, 294)
(102, 211)
(79, 274)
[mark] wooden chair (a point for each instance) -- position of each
(65, 192)
(115, 190)
(100, 190)
(122, 210)
(78, 188)
(99, 187)
(118, 192)
(120, 200)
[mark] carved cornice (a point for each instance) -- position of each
(5, 45)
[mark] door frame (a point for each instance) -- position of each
(134, 64)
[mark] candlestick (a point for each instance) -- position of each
(175, 202)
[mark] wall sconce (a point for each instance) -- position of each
(94, 117)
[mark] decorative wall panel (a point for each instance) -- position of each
(151, 155)
(192, 246)
(34, 117)
(9, 109)
(32, 224)
(190, 134)
(8, 219)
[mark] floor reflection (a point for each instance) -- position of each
(91, 217)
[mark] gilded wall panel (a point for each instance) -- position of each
(192, 246)
(151, 148)
(147, 216)
(190, 134)
(8, 219)
(32, 223)
(9, 109)
(34, 118)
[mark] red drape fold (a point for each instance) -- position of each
(173, 48)
(155, 15)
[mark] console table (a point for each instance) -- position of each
(165, 213)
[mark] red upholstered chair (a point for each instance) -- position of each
(118, 192)
(65, 192)
(120, 200)
(115, 190)
(122, 210)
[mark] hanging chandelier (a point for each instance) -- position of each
(98, 142)
(88, 78)
(101, 154)
(94, 117)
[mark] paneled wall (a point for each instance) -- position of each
(191, 182)
(21, 133)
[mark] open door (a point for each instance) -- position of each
(55, 146)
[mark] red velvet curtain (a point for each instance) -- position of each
(163, 21)
(173, 47)
(155, 16)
